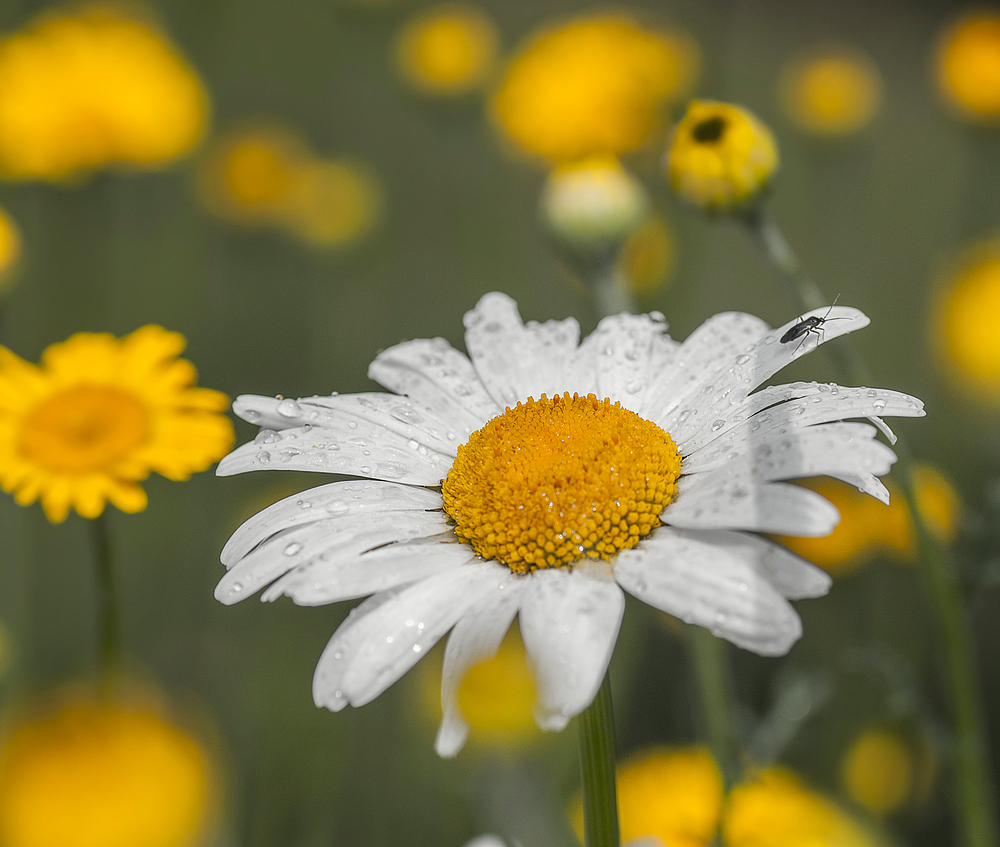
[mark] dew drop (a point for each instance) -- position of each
(251, 415)
(405, 415)
(742, 360)
(305, 504)
(237, 587)
(289, 408)
(390, 470)
(878, 405)
(267, 436)
(719, 424)
(292, 549)
(263, 457)
(365, 469)
(337, 508)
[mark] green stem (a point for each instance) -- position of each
(712, 672)
(107, 606)
(597, 764)
(976, 802)
(610, 292)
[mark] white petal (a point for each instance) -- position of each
(516, 361)
(702, 579)
(741, 503)
(296, 547)
(701, 357)
(569, 623)
(436, 375)
(359, 625)
(411, 623)
(846, 451)
(335, 500)
(346, 573)
(621, 351)
(799, 404)
(347, 446)
(475, 638)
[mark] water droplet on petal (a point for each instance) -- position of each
(289, 408)
(263, 457)
(719, 424)
(292, 549)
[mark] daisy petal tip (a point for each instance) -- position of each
(550, 721)
(228, 592)
(451, 738)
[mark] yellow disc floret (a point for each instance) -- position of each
(550, 482)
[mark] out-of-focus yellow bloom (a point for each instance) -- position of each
(91, 88)
(266, 175)
(103, 775)
(832, 90)
(777, 810)
(99, 415)
(721, 157)
(335, 202)
(674, 795)
(649, 256)
(447, 50)
(878, 771)
(496, 697)
(965, 326)
(250, 174)
(593, 85)
(10, 249)
(868, 526)
(967, 66)
(592, 202)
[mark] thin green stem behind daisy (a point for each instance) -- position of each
(597, 763)
(975, 790)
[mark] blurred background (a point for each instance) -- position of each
(311, 182)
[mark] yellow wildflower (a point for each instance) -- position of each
(592, 202)
(721, 157)
(674, 795)
(10, 249)
(878, 771)
(964, 330)
(92, 88)
(649, 256)
(250, 173)
(103, 775)
(335, 202)
(967, 66)
(448, 49)
(495, 697)
(99, 415)
(593, 85)
(831, 90)
(777, 810)
(868, 526)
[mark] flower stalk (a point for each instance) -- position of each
(106, 598)
(715, 689)
(975, 797)
(597, 764)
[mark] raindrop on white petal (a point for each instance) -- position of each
(352, 424)
(263, 457)
(267, 436)
(292, 549)
(289, 408)
(251, 415)
(719, 424)
(878, 405)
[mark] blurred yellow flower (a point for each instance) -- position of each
(10, 249)
(721, 157)
(776, 810)
(99, 415)
(967, 66)
(448, 49)
(263, 174)
(335, 202)
(250, 174)
(495, 697)
(103, 775)
(592, 202)
(671, 794)
(868, 526)
(965, 323)
(878, 771)
(592, 85)
(95, 87)
(833, 90)
(649, 256)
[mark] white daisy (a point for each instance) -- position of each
(651, 470)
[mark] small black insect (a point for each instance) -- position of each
(807, 325)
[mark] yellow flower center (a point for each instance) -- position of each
(710, 130)
(553, 481)
(83, 429)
